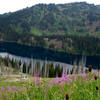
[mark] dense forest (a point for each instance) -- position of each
(11, 66)
(73, 28)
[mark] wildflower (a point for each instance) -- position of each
(2, 88)
(56, 80)
(45, 91)
(90, 68)
(67, 76)
(97, 88)
(75, 77)
(14, 87)
(9, 89)
(16, 94)
(70, 80)
(83, 74)
(19, 89)
(63, 80)
(50, 83)
(95, 77)
(67, 97)
(96, 73)
(36, 80)
(0, 95)
(99, 75)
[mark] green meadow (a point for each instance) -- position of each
(85, 86)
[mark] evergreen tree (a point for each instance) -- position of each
(51, 70)
(38, 67)
(24, 67)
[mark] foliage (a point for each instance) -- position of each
(46, 70)
(76, 87)
(42, 25)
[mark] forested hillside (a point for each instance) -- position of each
(72, 28)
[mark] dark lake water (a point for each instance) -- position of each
(28, 60)
(26, 52)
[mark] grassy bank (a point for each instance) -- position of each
(74, 87)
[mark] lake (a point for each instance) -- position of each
(25, 53)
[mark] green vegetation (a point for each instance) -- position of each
(35, 31)
(72, 28)
(18, 86)
(75, 87)
(14, 66)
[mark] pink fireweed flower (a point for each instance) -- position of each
(99, 75)
(69, 80)
(63, 79)
(9, 89)
(83, 74)
(14, 87)
(16, 94)
(66, 76)
(75, 77)
(66, 79)
(50, 83)
(2, 89)
(68, 83)
(0, 95)
(56, 80)
(36, 80)
(19, 89)
(95, 73)
(45, 91)
(63, 74)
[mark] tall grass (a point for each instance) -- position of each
(85, 86)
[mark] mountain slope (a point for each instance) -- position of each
(53, 19)
(38, 24)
